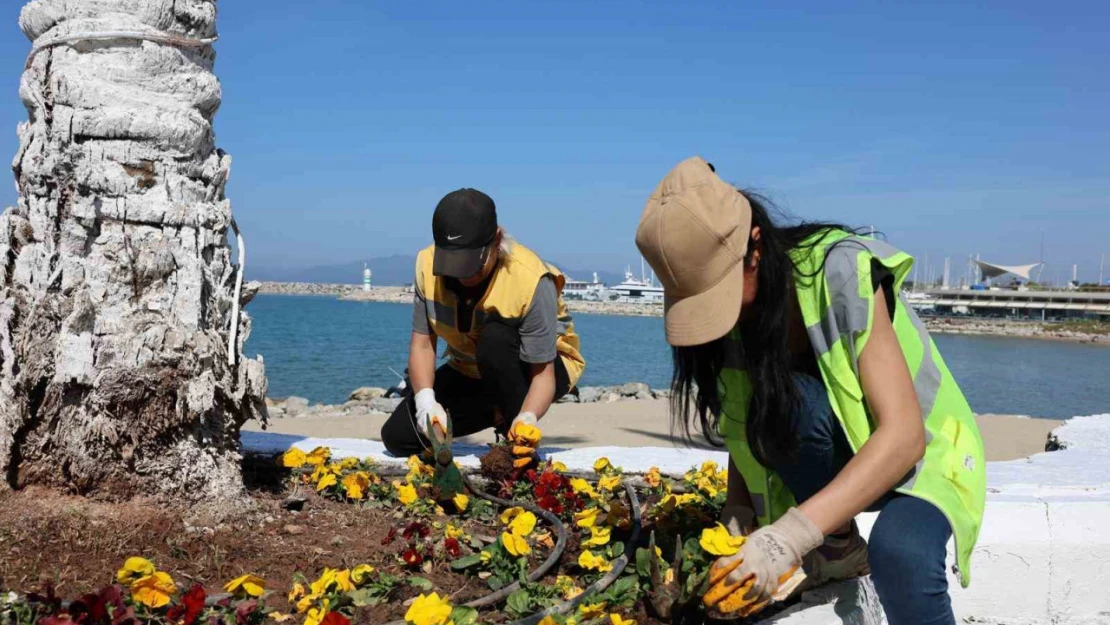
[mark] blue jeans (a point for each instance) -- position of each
(906, 549)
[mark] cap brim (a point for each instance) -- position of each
(707, 316)
(462, 263)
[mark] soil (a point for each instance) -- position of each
(497, 465)
(78, 544)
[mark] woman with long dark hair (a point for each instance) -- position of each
(792, 346)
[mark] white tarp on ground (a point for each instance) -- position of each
(1044, 549)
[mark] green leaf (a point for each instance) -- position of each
(643, 562)
(364, 597)
(496, 582)
(616, 549)
(464, 616)
(420, 583)
(466, 562)
(519, 603)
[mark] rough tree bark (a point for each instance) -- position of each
(116, 280)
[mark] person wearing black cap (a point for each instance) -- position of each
(511, 346)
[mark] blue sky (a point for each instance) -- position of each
(954, 129)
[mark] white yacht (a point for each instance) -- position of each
(582, 290)
(635, 291)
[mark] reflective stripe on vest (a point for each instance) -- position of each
(836, 297)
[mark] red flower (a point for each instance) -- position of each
(335, 618)
(531, 475)
(415, 529)
(412, 557)
(552, 480)
(551, 504)
(540, 492)
(390, 536)
(192, 604)
(451, 546)
(244, 610)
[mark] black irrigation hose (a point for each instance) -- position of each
(600, 585)
(539, 572)
(552, 559)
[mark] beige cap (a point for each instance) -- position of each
(694, 234)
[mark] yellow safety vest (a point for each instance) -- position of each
(837, 304)
(507, 299)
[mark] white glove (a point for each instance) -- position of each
(428, 408)
(526, 418)
(740, 520)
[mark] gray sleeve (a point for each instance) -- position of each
(538, 330)
(420, 323)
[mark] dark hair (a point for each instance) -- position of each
(762, 351)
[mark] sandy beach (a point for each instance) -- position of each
(642, 423)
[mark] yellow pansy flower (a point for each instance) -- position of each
(305, 603)
(356, 484)
(343, 581)
(485, 556)
(548, 620)
(592, 610)
(348, 463)
(593, 562)
(406, 493)
(249, 584)
(583, 487)
(293, 459)
(134, 568)
(429, 610)
(601, 464)
(318, 456)
(653, 478)
(587, 517)
(153, 591)
(279, 616)
(461, 502)
(326, 481)
(615, 619)
(316, 615)
(523, 524)
(709, 467)
(609, 482)
(515, 544)
(719, 542)
(361, 574)
(509, 514)
(296, 592)
(599, 537)
(324, 582)
(453, 531)
(558, 467)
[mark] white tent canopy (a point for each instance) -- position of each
(991, 270)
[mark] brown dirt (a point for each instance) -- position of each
(497, 465)
(79, 544)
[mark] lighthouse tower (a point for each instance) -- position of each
(366, 275)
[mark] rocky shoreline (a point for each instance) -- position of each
(370, 400)
(941, 325)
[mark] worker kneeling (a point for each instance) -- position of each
(511, 346)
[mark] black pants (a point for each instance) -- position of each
(472, 404)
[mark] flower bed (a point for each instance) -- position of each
(368, 547)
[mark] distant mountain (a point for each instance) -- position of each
(395, 270)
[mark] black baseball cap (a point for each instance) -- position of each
(464, 224)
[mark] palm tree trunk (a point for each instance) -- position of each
(116, 279)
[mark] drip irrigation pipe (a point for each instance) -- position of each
(539, 572)
(600, 585)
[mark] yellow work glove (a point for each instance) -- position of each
(745, 583)
(525, 437)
